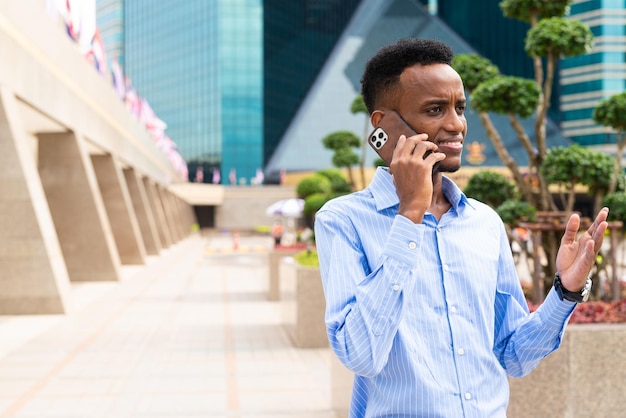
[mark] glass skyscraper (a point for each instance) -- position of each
(298, 38)
(199, 64)
(225, 75)
(588, 79)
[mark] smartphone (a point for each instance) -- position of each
(385, 135)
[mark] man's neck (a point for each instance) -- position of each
(439, 204)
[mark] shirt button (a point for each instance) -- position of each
(468, 396)
(412, 245)
(445, 267)
(396, 287)
(453, 309)
(438, 229)
(461, 351)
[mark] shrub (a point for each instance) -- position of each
(596, 312)
(379, 162)
(514, 211)
(490, 187)
(314, 202)
(617, 204)
(307, 258)
(315, 183)
(338, 182)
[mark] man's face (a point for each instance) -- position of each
(432, 100)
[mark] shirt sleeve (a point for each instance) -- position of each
(363, 307)
(523, 339)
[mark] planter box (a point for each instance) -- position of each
(303, 304)
(586, 377)
(273, 261)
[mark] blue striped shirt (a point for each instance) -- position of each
(430, 317)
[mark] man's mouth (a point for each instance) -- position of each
(455, 145)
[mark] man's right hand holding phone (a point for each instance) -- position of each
(412, 169)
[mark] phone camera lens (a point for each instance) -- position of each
(378, 144)
(381, 135)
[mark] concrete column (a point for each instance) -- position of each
(33, 275)
(119, 209)
(191, 215)
(178, 219)
(167, 212)
(184, 216)
(77, 209)
(174, 221)
(157, 210)
(143, 212)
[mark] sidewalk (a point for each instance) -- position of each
(190, 335)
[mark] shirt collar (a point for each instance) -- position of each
(384, 191)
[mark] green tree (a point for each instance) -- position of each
(343, 142)
(549, 38)
(358, 106)
(617, 202)
(568, 167)
(611, 112)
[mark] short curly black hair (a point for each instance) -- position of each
(383, 70)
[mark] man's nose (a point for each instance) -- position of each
(455, 122)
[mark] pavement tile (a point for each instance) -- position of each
(188, 335)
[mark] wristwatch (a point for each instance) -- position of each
(564, 294)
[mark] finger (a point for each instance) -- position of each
(590, 253)
(434, 157)
(571, 229)
(597, 229)
(600, 218)
(598, 235)
(399, 149)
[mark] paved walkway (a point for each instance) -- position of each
(189, 335)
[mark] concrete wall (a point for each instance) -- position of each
(83, 187)
(585, 377)
(244, 207)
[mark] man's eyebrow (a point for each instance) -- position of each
(444, 101)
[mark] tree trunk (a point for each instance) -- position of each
(503, 154)
(621, 142)
(363, 150)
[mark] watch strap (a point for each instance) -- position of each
(565, 294)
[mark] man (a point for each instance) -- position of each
(423, 302)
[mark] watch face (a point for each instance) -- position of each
(586, 292)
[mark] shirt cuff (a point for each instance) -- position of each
(555, 311)
(404, 240)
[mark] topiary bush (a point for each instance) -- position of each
(490, 187)
(514, 211)
(314, 202)
(319, 188)
(338, 182)
(616, 202)
(315, 183)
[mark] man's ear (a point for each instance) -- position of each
(376, 116)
